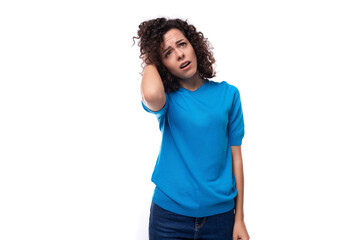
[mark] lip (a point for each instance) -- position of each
(187, 67)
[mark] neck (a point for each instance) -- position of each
(192, 83)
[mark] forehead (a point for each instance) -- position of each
(171, 36)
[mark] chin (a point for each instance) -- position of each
(187, 76)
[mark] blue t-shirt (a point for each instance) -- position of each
(193, 172)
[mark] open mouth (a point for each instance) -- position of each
(184, 65)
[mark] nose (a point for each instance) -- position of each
(179, 53)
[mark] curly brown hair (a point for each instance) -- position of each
(150, 35)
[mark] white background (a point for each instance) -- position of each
(77, 150)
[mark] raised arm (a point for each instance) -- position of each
(152, 89)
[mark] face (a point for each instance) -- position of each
(177, 55)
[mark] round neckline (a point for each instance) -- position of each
(197, 90)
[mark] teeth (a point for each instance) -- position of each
(184, 65)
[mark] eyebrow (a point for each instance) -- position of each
(170, 46)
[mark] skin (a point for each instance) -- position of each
(239, 231)
(175, 50)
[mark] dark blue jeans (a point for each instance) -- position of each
(164, 224)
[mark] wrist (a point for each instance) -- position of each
(239, 218)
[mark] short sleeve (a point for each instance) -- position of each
(160, 115)
(236, 121)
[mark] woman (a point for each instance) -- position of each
(199, 173)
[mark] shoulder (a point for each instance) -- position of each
(230, 86)
(224, 85)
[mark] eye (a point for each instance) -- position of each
(167, 54)
(182, 44)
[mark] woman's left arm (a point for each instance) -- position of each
(240, 231)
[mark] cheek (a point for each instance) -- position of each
(171, 66)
